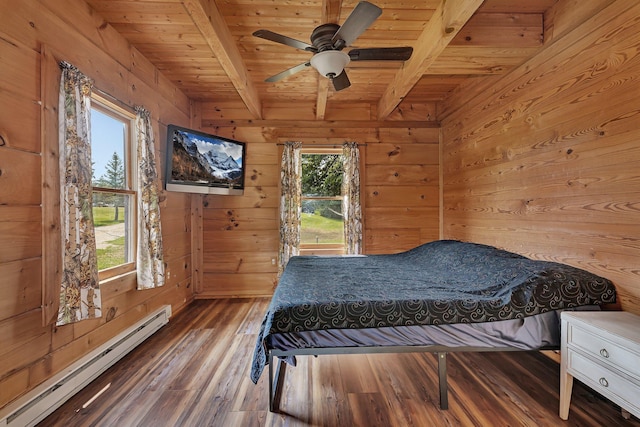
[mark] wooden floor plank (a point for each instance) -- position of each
(195, 372)
(370, 407)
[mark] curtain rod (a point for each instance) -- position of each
(325, 145)
(102, 93)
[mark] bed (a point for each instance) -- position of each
(440, 297)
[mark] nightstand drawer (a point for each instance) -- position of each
(603, 380)
(604, 350)
(601, 349)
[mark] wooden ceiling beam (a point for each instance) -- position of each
(327, 124)
(447, 20)
(212, 26)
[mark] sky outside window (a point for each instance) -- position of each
(107, 137)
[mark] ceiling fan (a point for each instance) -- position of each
(327, 42)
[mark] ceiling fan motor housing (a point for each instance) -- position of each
(322, 35)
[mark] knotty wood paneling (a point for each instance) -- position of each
(21, 80)
(18, 296)
(544, 160)
(192, 54)
(16, 128)
(18, 170)
(33, 36)
(399, 190)
(240, 237)
(20, 237)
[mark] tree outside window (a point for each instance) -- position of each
(113, 178)
(322, 222)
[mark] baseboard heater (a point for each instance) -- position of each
(36, 405)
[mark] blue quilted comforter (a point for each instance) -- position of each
(440, 282)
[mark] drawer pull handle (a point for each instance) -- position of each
(604, 353)
(603, 382)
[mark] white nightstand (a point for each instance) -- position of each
(601, 349)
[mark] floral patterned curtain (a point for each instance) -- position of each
(150, 262)
(290, 208)
(351, 202)
(80, 292)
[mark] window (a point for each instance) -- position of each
(322, 221)
(114, 197)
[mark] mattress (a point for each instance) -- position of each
(529, 333)
(440, 283)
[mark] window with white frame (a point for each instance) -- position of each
(322, 221)
(114, 195)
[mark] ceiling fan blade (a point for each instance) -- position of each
(279, 38)
(341, 82)
(287, 73)
(381, 54)
(360, 19)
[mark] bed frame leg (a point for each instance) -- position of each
(275, 383)
(442, 379)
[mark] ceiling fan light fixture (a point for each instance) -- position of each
(330, 63)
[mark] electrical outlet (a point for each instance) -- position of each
(273, 261)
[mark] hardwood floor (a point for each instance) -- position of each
(195, 372)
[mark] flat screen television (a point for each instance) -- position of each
(198, 162)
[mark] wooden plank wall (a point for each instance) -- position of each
(399, 192)
(67, 29)
(545, 160)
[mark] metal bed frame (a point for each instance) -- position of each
(275, 380)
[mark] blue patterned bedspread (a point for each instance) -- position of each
(440, 282)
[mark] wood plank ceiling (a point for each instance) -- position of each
(207, 49)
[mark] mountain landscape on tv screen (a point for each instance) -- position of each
(197, 160)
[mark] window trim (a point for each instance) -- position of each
(117, 112)
(321, 248)
(49, 137)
